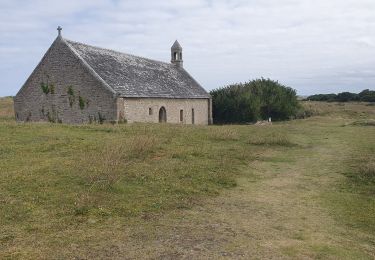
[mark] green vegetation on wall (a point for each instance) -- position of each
(71, 96)
(47, 88)
(81, 102)
(254, 100)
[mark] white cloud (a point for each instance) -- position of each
(310, 45)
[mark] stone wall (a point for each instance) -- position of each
(138, 110)
(74, 94)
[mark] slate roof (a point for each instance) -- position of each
(132, 76)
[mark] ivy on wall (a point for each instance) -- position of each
(47, 88)
(81, 102)
(71, 96)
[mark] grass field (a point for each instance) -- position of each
(298, 189)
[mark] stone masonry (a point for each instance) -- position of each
(76, 83)
(64, 71)
(147, 110)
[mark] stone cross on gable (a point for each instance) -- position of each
(59, 30)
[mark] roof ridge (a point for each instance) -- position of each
(119, 52)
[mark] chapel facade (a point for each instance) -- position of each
(76, 83)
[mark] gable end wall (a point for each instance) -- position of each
(62, 68)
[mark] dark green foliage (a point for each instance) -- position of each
(71, 95)
(81, 102)
(364, 96)
(254, 100)
(70, 91)
(323, 97)
(44, 88)
(367, 96)
(47, 88)
(346, 97)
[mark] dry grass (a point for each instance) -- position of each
(106, 165)
(271, 138)
(367, 171)
(6, 107)
(224, 133)
(161, 191)
(366, 168)
(335, 109)
(369, 122)
(142, 145)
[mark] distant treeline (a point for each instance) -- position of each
(364, 96)
(252, 101)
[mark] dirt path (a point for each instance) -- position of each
(275, 212)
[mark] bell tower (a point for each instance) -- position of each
(176, 54)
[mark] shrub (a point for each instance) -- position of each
(367, 96)
(254, 100)
(364, 96)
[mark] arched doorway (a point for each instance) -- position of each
(162, 115)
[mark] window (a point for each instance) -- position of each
(176, 56)
(181, 56)
(181, 115)
(192, 116)
(150, 111)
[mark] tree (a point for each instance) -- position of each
(364, 96)
(367, 96)
(254, 100)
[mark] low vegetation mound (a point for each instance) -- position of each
(252, 101)
(364, 96)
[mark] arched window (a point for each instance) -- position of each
(150, 111)
(162, 115)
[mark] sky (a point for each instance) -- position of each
(313, 46)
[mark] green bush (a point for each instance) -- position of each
(254, 100)
(367, 95)
(364, 96)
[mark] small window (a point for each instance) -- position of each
(176, 56)
(150, 111)
(192, 116)
(181, 115)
